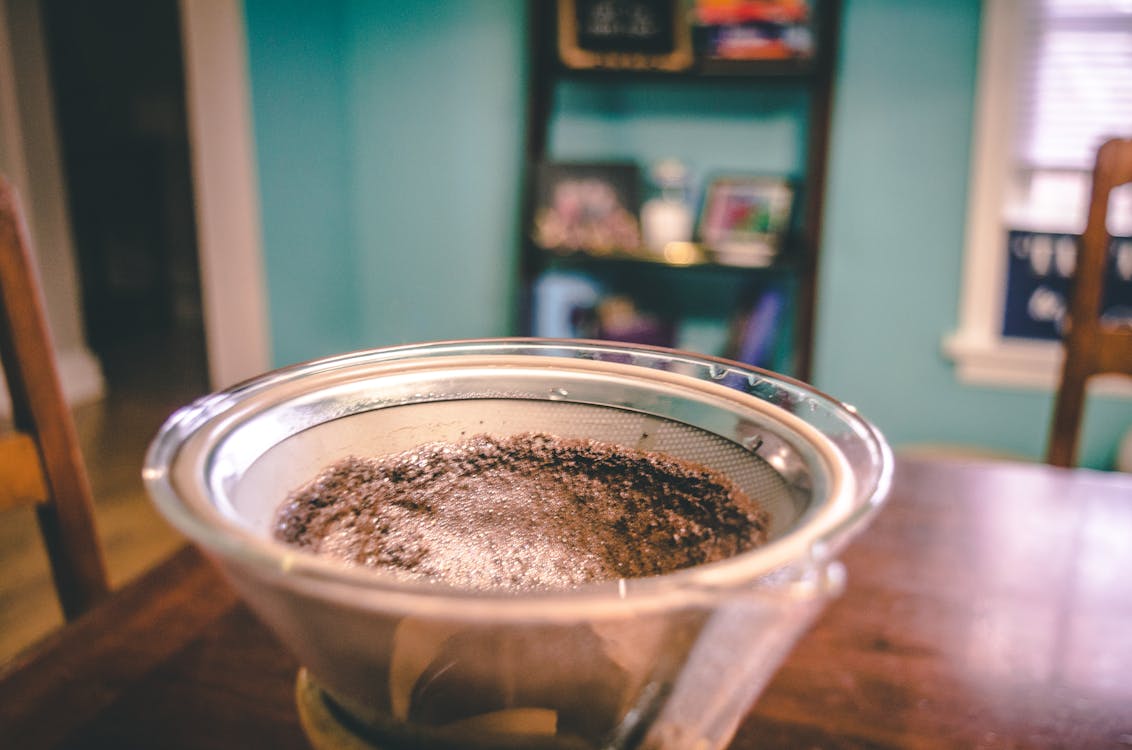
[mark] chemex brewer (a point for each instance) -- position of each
(487, 631)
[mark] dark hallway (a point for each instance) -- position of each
(117, 76)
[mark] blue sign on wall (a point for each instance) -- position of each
(1039, 276)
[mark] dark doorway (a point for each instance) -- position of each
(116, 72)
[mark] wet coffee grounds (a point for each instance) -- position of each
(530, 511)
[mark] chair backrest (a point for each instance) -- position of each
(40, 462)
(1092, 346)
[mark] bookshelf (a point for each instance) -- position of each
(690, 280)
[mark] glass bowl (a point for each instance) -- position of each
(669, 661)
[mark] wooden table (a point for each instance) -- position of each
(989, 606)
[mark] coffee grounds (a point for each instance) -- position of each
(529, 511)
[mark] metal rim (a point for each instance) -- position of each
(803, 551)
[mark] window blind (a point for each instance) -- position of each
(1075, 81)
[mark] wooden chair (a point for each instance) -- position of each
(40, 463)
(1092, 347)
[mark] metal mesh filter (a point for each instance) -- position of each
(391, 430)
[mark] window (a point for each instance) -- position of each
(1055, 80)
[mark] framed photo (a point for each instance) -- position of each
(745, 218)
(754, 29)
(624, 34)
(588, 207)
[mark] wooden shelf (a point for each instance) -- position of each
(742, 71)
(677, 255)
(756, 69)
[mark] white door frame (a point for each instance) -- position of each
(225, 187)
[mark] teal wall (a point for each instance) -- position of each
(389, 141)
(894, 233)
(302, 127)
(438, 96)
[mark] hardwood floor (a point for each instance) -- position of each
(148, 378)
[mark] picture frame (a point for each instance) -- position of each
(625, 35)
(745, 218)
(754, 30)
(591, 207)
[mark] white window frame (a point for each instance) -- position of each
(981, 354)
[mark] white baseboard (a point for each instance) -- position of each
(81, 377)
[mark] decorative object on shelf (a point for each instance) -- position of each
(573, 304)
(624, 34)
(562, 302)
(757, 330)
(620, 318)
(667, 217)
(589, 207)
(745, 218)
(753, 29)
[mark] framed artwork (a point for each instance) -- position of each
(745, 218)
(754, 29)
(1039, 282)
(624, 34)
(588, 207)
